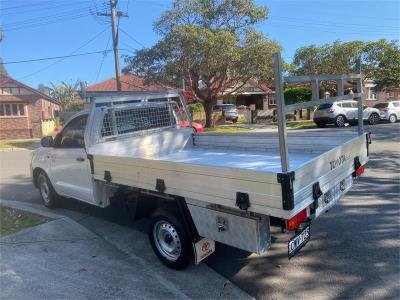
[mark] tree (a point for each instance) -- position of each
(65, 93)
(44, 89)
(379, 60)
(212, 44)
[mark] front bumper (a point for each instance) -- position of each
(384, 116)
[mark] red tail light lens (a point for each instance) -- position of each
(360, 171)
(294, 222)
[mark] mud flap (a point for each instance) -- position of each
(203, 249)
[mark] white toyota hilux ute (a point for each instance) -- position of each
(138, 150)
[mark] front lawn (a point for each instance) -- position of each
(7, 144)
(300, 124)
(13, 220)
(228, 129)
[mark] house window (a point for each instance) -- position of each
(12, 110)
(10, 90)
(371, 93)
(271, 100)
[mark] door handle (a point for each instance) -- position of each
(80, 159)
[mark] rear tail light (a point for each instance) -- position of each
(331, 110)
(295, 222)
(360, 170)
(358, 167)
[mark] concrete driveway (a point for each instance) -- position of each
(353, 252)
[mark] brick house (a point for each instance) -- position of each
(253, 93)
(372, 97)
(24, 111)
(130, 84)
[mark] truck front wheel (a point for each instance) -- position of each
(47, 192)
(170, 241)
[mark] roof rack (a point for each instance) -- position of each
(315, 80)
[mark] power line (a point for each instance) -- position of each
(102, 59)
(328, 23)
(46, 22)
(51, 58)
(332, 26)
(45, 8)
(322, 29)
(73, 52)
(132, 38)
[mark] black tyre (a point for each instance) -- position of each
(392, 119)
(320, 125)
(353, 123)
(373, 119)
(47, 192)
(340, 121)
(169, 240)
(234, 120)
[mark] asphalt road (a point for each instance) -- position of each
(354, 250)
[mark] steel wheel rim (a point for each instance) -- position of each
(340, 121)
(44, 190)
(374, 119)
(167, 240)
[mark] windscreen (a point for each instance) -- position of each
(381, 105)
(324, 106)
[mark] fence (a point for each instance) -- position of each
(47, 126)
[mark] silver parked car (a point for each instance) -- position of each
(389, 111)
(230, 111)
(342, 112)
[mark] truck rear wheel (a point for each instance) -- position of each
(169, 240)
(47, 192)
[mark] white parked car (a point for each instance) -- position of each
(389, 111)
(342, 112)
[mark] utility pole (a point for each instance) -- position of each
(114, 28)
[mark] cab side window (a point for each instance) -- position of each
(72, 135)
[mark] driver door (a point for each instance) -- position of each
(70, 168)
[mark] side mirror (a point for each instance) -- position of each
(47, 141)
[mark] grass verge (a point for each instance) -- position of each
(300, 124)
(227, 128)
(17, 144)
(13, 220)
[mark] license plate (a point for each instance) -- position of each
(203, 249)
(332, 196)
(298, 241)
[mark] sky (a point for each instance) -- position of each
(36, 29)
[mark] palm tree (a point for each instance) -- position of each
(65, 92)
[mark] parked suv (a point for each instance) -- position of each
(342, 112)
(389, 111)
(230, 111)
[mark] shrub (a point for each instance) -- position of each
(73, 106)
(297, 94)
